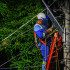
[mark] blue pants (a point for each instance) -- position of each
(43, 52)
(43, 66)
(42, 48)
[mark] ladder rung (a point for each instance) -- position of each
(54, 56)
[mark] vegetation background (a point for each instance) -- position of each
(13, 14)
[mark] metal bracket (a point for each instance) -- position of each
(64, 36)
(53, 19)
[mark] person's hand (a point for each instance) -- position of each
(56, 35)
(48, 31)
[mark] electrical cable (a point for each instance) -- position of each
(19, 67)
(29, 67)
(20, 27)
(20, 53)
(16, 56)
(24, 24)
(61, 5)
(16, 37)
(11, 40)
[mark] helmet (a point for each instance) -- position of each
(41, 16)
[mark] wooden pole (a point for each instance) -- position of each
(65, 5)
(67, 26)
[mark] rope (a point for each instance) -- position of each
(16, 37)
(15, 56)
(24, 24)
(45, 51)
(54, 51)
(21, 53)
(11, 40)
(19, 67)
(61, 5)
(58, 64)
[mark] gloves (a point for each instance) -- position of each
(51, 28)
(48, 31)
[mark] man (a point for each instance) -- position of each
(42, 31)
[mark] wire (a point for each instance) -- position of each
(11, 40)
(20, 67)
(54, 51)
(16, 37)
(24, 24)
(21, 53)
(59, 16)
(21, 33)
(60, 5)
(20, 27)
(65, 9)
(15, 56)
(52, 3)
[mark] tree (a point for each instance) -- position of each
(14, 14)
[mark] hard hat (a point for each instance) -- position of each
(41, 16)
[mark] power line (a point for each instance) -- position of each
(24, 24)
(61, 5)
(18, 55)
(16, 37)
(23, 32)
(20, 27)
(15, 56)
(20, 67)
(21, 53)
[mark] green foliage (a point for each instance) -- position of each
(15, 13)
(3, 9)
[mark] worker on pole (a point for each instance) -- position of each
(41, 31)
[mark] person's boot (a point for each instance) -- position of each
(43, 65)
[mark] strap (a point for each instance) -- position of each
(39, 39)
(38, 25)
(35, 39)
(37, 43)
(43, 42)
(34, 34)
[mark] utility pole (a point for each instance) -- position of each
(67, 27)
(65, 5)
(66, 49)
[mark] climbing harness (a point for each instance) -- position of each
(45, 43)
